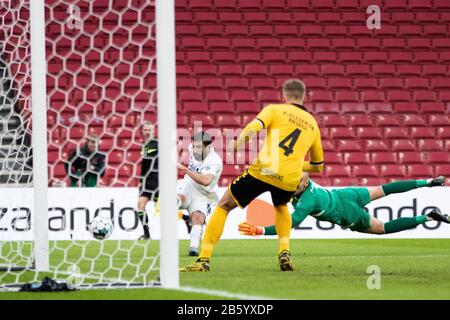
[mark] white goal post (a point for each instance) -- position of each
(165, 51)
(57, 243)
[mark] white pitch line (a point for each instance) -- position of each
(374, 256)
(224, 294)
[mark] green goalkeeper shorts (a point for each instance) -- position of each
(349, 209)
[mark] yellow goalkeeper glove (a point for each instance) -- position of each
(250, 229)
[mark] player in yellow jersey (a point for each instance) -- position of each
(292, 133)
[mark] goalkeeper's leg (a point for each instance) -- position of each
(404, 186)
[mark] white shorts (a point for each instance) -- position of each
(195, 201)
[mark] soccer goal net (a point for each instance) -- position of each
(100, 74)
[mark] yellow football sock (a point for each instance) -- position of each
(283, 225)
(213, 231)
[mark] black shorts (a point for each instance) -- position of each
(149, 189)
(245, 188)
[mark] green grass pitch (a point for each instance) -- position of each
(325, 269)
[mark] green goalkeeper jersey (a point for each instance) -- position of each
(344, 207)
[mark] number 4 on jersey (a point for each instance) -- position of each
(288, 143)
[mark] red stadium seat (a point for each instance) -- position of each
(321, 96)
(424, 96)
(293, 44)
(413, 120)
(300, 5)
(221, 107)
(268, 96)
(440, 83)
(249, 57)
(422, 133)
(358, 70)
(333, 121)
(300, 57)
(426, 57)
(420, 171)
(430, 145)
(417, 84)
(376, 56)
(392, 171)
(196, 107)
(403, 145)
(348, 145)
(337, 171)
(361, 171)
(391, 83)
(405, 107)
(379, 107)
(376, 145)
(315, 83)
(250, 5)
(333, 158)
(373, 96)
(384, 70)
(344, 44)
(439, 120)
(347, 96)
(442, 169)
(328, 145)
(356, 158)
(433, 70)
(438, 157)
(398, 96)
(366, 84)
(396, 133)
(410, 157)
(248, 107)
(327, 108)
(336, 31)
(342, 133)
(443, 133)
(358, 120)
(384, 158)
(350, 57)
(368, 133)
(433, 107)
(387, 121)
(331, 18)
(226, 121)
(212, 83)
(310, 31)
(242, 96)
(260, 83)
(353, 108)
(319, 44)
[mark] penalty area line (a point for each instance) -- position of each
(224, 294)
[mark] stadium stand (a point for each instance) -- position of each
(380, 96)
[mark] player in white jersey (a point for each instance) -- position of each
(196, 192)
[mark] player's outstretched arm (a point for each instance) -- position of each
(250, 229)
(200, 178)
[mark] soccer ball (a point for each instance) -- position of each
(101, 226)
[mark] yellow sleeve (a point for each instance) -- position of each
(315, 163)
(265, 116)
(249, 131)
(262, 120)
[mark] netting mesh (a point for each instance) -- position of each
(101, 81)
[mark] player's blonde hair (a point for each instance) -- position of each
(294, 89)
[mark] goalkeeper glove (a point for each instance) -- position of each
(250, 229)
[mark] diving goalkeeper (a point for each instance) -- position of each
(345, 207)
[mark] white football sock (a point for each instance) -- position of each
(196, 236)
